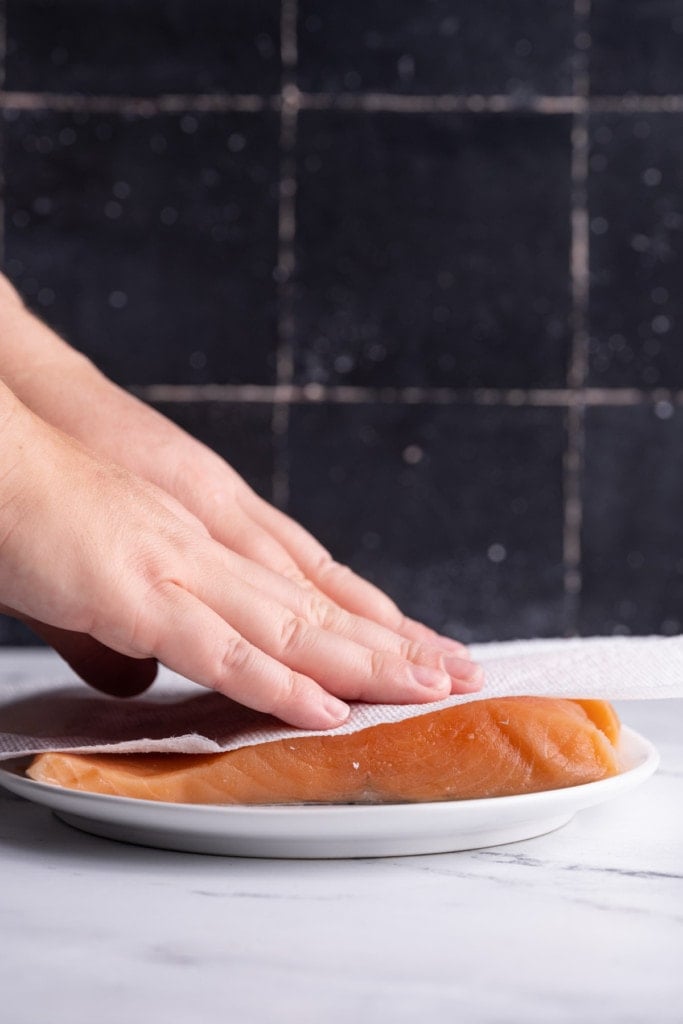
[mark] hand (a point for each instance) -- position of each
(88, 548)
(66, 390)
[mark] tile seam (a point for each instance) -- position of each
(579, 281)
(148, 106)
(316, 394)
(289, 111)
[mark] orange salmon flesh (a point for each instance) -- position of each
(486, 748)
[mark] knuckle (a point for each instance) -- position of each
(294, 574)
(320, 612)
(236, 656)
(293, 633)
(154, 565)
(379, 665)
(411, 650)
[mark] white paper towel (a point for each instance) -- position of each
(179, 717)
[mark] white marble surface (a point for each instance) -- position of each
(585, 924)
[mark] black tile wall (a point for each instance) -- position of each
(636, 209)
(438, 46)
(417, 225)
(636, 47)
(150, 242)
(633, 505)
(143, 47)
(456, 511)
(433, 249)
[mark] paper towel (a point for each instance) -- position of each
(179, 717)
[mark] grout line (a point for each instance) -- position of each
(148, 106)
(289, 111)
(311, 394)
(636, 104)
(391, 102)
(573, 515)
(289, 43)
(578, 364)
(139, 106)
(579, 254)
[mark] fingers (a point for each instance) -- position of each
(192, 639)
(104, 669)
(270, 659)
(425, 647)
(341, 665)
(338, 582)
(318, 610)
(464, 674)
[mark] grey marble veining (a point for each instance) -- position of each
(584, 924)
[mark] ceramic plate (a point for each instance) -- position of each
(311, 831)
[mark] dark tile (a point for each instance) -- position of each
(149, 243)
(143, 48)
(241, 433)
(16, 634)
(633, 507)
(636, 208)
(636, 47)
(433, 249)
(441, 46)
(456, 511)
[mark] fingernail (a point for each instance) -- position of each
(335, 710)
(464, 671)
(430, 678)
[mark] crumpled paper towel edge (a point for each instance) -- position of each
(642, 667)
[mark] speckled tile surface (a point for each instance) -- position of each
(632, 539)
(131, 48)
(439, 47)
(414, 276)
(456, 511)
(457, 225)
(636, 210)
(149, 242)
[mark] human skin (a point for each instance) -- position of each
(145, 546)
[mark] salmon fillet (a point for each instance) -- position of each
(486, 748)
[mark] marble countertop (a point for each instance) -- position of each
(583, 924)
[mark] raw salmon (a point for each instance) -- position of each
(487, 748)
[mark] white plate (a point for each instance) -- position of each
(310, 831)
